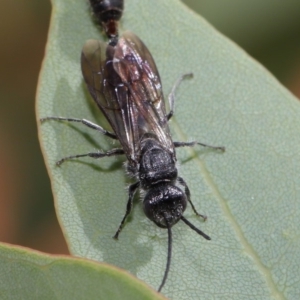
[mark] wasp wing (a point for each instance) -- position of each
(106, 88)
(135, 65)
(124, 82)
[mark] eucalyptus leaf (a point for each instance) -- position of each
(251, 193)
(27, 274)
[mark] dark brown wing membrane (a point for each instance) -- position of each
(137, 70)
(124, 82)
(107, 89)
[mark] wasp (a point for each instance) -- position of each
(124, 82)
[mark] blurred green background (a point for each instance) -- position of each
(268, 30)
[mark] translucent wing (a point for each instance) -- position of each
(124, 82)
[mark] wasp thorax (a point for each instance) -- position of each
(164, 201)
(156, 165)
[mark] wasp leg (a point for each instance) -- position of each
(194, 143)
(112, 152)
(188, 194)
(84, 122)
(131, 192)
(171, 96)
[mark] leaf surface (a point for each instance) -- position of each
(251, 193)
(27, 274)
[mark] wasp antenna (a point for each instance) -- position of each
(194, 228)
(169, 254)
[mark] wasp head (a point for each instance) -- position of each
(163, 203)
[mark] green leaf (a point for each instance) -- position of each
(31, 275)
(251, 193)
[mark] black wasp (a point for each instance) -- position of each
(122, 78)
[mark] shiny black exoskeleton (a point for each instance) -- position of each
(164, 202)
(108, 13)
(124, 82)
